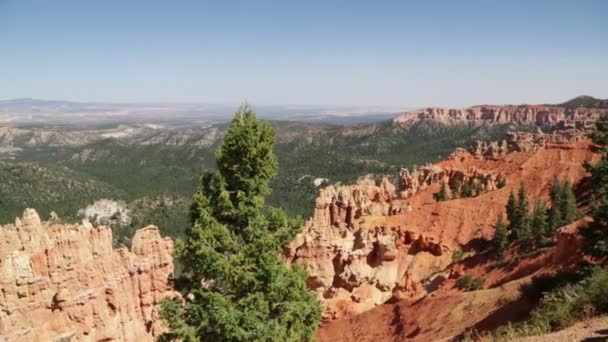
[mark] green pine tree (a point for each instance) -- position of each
(596, 232)
(555, 214)
(518, 213)
(554, 218)
(511, 207)
(442, 195)
(500, 239)
(236, 284)
(567, 204)
(512, 215)
(539, 224)
(466, 190)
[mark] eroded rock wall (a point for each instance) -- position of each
(525, 142)
(66, 282)
(355, 263)
(540, 115)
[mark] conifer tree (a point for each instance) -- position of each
(599, 170)
(513, 216)
(555, 214)
(567, 204)
(511, 207)
(554, 218)
(442, 195)
(518, 214)
(236, 285)
(500, 238)
(467, 190)
(596, 232)
(539, 220)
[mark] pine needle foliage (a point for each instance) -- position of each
(236, 284)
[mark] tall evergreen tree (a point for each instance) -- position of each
(500, 238)
(596, 232)
(538, 223)
(523, 213)
(518, 213)
(599, 170)
(511, 207)
(236, 284)
(555, 214)
(554, 218)
(567, 203)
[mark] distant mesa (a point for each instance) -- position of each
(580, 111)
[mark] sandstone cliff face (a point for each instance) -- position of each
(525, 114)
(355, 263)
(62, 282)
(525, 142)
(368, 243)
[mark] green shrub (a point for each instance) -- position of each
(469, 283)
(477, 284)
(457, 254)
(464, 282)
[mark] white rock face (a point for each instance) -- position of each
(106, 212)
(320, 181)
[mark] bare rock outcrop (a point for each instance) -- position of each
(539, 115)
(526, 141)
(410, 183)
(355, 263)
(65, 282)
(106, 212)
(343, 204)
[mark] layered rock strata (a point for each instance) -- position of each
(525, 142)
(355, 264)
(539, 115)
(62, 282)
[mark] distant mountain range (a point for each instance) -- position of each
(36, 111)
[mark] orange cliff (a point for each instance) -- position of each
(65, 282)
(368, 244)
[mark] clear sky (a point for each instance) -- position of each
(393, 53)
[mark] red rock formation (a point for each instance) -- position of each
(64, 281)
(524, 141)
(525, 114)
(360, 253)
(448, 312)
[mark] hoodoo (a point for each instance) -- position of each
(62, 282)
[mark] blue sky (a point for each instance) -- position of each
(360, 53)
